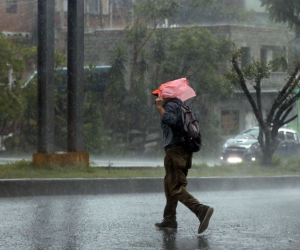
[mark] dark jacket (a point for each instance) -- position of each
(170, 121)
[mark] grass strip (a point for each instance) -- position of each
(25, 169)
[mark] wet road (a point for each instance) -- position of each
(242, 220)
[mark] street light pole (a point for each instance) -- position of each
(75, 74)
(75, 154)
(45, 76)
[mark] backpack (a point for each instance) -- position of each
(190, 129)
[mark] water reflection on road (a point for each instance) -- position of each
(267, 219)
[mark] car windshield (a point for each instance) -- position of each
(248, 134)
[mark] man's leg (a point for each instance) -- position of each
(171, 204)
(178, 190)
(169, 221)
(177, 183)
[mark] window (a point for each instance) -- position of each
(65, 5)
(252, 133)
(290, 136)
(275, 53)
(246, 56)
(12, 6)
(266, 55)
(93, 6)
(105, 7)
(229, 122)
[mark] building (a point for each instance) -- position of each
(98, 14)
(105, 20)
(19, 17)
(262, 44)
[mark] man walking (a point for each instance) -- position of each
(177, 162)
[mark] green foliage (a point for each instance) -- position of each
(159, 46)
(115, 91)
(93, 127)
(196, 54)
(28, 124)
(10, 58)
(156, 10)
(136, 33)
(14, 54)
(18, 112)
(254, 72)
(147, 14)
(11, 109)
(284, 12)
(93, 122)
(115, 106)
(60, 60)
(189, 52)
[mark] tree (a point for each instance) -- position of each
(173, 53)
(281, 107)
(147, 15)
(198, 55)
(14, 54)
(9, 58)
(114, 108)
(93, 123)
(11, 109)
(284, 12)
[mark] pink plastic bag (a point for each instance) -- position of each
(178, 88)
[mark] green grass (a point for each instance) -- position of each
(25, 169)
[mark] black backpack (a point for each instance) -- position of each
(190, 129)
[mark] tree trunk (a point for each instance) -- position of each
(267, 158)
(270, 145)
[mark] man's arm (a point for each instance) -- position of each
(169, 113)
(158, 104)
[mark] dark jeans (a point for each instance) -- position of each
(177, 162)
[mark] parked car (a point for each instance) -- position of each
(245, 146)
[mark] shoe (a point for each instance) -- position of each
(171, 225)
(204, 219)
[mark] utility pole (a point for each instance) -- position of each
(45, 76)
(75, 74)
(74, 154)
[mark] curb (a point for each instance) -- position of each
(46, 187)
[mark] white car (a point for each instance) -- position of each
(245, 146)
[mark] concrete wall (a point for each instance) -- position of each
(99, 44)
(255, 38)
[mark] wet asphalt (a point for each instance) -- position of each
(267, 219)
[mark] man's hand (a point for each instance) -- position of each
(158, 104)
